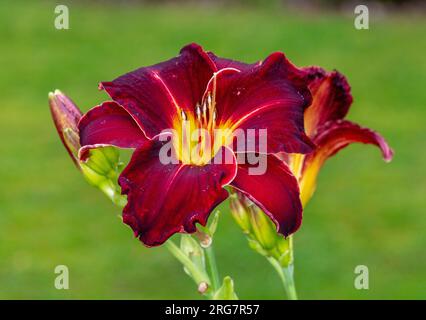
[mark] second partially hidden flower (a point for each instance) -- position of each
(326, 125)
(163, 105)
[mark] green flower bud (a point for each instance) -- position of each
(261, 230)
(240, 211)
(264, 230)
(226, 291)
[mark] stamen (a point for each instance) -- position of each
(204, 109)
(186, 139)
(203, 120)
(198, 111)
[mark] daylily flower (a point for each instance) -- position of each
(193, 91)
(325, 125)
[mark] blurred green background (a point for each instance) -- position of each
(364, 211)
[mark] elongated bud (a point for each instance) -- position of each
(66, 116)
(263, 228)
(260, 230)
(226, 291)
(240, 212)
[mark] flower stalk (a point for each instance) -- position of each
(198, 275)
(212, 266)
(199, 262)
(286, 274)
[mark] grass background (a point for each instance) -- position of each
(364, 211)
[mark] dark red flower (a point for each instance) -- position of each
(325, 125)
(199, 91)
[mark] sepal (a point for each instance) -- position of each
(102, 170)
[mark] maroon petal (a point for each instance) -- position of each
(336, 135)
(155, 95)
(164, 199)
(276, 192)
(331, 138)
(269, 96)
(331, 98)
(223, 63)
(108, 125)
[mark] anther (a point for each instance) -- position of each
(204, 110)
(198, 111)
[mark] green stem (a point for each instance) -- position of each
(212, 267)
(287, 278)
(197, 275)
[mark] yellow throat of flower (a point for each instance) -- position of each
(197, 137)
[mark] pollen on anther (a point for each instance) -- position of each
(198, 111)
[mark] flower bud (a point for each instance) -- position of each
(263, 228)
(226, 291)
(261, 231)
(240, 211)
(66, 116)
